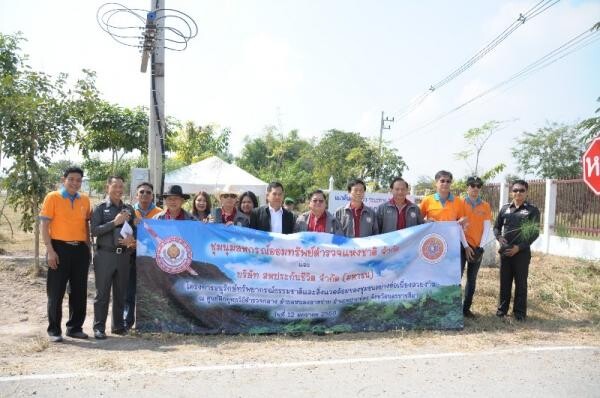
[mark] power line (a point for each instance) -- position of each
(534, 11)
(578, 42)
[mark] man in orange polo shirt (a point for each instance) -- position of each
(479, 214)
(445, 206)
(65, 230)
(144, 208)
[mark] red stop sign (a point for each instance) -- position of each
(591, 166)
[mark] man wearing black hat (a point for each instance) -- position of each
(113, 225)
(174, 199)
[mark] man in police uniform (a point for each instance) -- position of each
(112, 259)
(516, 228)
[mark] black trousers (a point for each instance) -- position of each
(515, 268)
(129, 312)
(472, 270)
(73, 264)
(111, 271)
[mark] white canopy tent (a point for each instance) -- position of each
(212, 174)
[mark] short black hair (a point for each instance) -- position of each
(73, 169)
(520, 182)
(356, 181)
(396, 179)
(315, 192)
(110, 179)
(474, 180)
(273, 185)
(145, 184)
(443, 173)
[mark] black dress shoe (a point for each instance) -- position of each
(120, 332)
(78, 335)
(500, 314)
(98, 335)
(469, 314)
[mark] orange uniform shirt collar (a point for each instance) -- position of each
(65, 194)
(473, 203)
(437, 197)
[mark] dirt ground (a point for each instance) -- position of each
(564, 302)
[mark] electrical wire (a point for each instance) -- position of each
(132, 33)
(580, 41)
(534, 11)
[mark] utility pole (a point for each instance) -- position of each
(382, 127)
(157, 127)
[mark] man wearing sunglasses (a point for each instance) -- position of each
(479, 214)
(516, 228)
(318, 219)
(144, 208)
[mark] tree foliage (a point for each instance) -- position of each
(302, 164)
(592, 125)
(36, 121)
(191, 143)
(285, 158)
(107, 126)
(553, 151)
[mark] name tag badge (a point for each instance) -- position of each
(413, 215)
(525, 212)
(369, 219)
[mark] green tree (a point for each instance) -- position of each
(476, 138)
(36, 121)
(106, 126)
(553, 151)
(98, 170)
(279, 157)
(592, 125)
(191, 143)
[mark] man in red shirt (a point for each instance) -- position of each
(318, 219)
(399, 212)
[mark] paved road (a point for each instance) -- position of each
(529, 372)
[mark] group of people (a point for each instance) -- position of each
(68, 225)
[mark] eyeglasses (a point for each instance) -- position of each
(318, 200)
(443, 181)
(229, 195)
(517, 190)
(475, 186)
(142, 192)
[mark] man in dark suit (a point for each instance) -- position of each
(273, 217)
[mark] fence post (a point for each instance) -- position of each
(503, 195)
(549, 213)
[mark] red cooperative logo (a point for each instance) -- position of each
(433, 248)
(591, 166)
(174, 255)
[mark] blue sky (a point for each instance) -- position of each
(316, 65)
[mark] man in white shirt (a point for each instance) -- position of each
(273, 217)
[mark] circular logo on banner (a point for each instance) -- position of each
(174, 255)
(433, 248)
